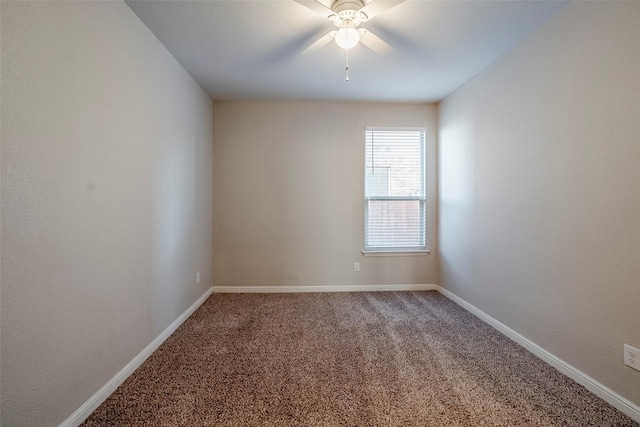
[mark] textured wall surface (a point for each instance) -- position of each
(288, 194)
(106, 200)
(539, 166)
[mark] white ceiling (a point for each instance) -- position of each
(240, 49)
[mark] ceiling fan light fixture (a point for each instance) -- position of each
(347, 36)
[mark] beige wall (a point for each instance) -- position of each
(539, 162)
(106, 200)
(288, 194)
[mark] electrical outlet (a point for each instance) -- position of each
(632, 357)
(198, 279)
(356, 266)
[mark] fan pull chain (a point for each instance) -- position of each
(347, 67)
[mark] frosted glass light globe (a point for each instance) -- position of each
(347, 36)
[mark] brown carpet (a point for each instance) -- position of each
(346, 359)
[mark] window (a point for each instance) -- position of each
(394, 190)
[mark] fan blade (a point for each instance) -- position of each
(321, 42)
(317, 6)
(374, 42)
(376, 7)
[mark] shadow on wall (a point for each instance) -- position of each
(457, 194)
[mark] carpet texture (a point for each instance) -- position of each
(346, 359)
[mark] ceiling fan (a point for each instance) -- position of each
(347, 15)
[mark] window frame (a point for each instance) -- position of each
(393, 250)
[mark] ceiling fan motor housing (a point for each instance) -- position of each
(348, 10)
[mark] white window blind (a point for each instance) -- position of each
(395, 195)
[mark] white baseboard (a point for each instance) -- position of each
(101, 395)
(614, 399)
(320, 288)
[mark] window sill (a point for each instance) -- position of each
(397, 253)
